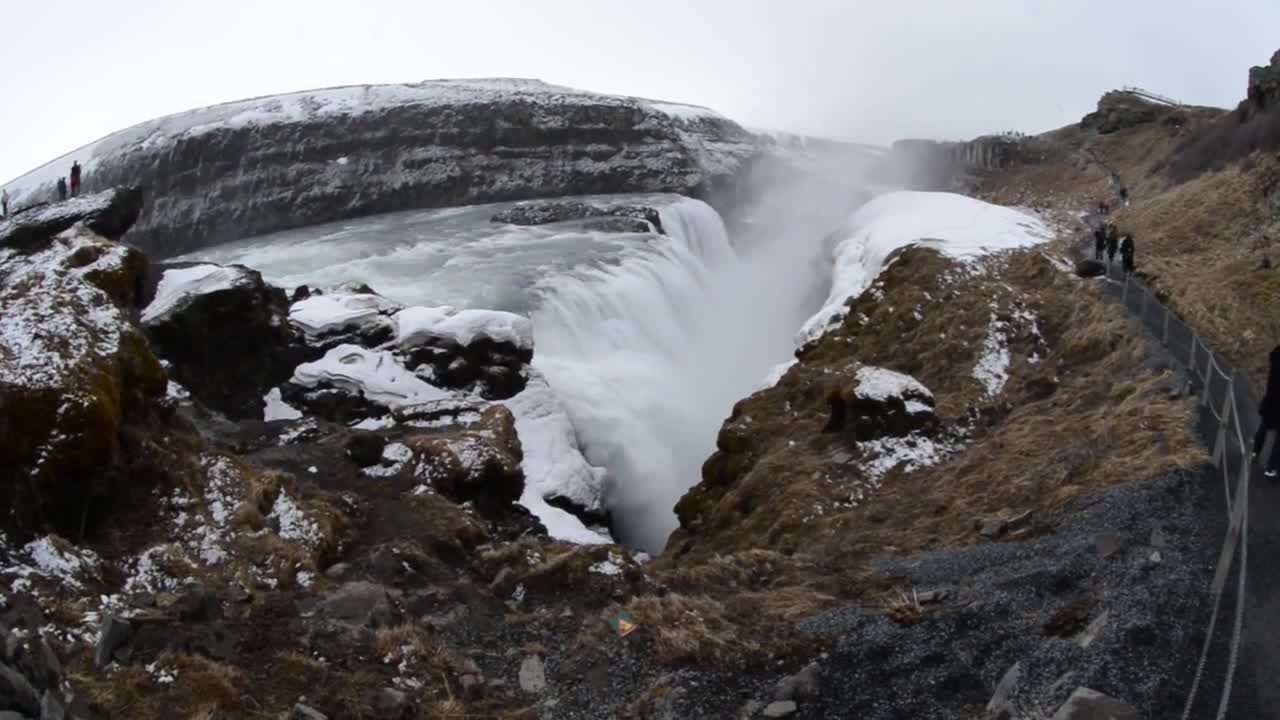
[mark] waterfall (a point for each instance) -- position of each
(650, 355)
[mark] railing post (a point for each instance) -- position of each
(1124, 293)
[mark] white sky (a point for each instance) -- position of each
(870, 70)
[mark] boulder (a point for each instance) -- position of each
(362, 604)
(80, 390)
(1086, 704)
(880, 403)
(226, 334)
(306, 712)
(108, 214)
(554, 211)
(480, 465)
(533, 675)
(1091, 268)
(114, 634)
(1118, 110)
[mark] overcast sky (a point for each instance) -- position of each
(871, 70)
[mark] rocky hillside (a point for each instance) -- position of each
(256, 166)
(1204, 186)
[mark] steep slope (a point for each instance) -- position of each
(1204, 186)
(255, 166)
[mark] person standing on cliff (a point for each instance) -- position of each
(1113, 243)
(4, 203)
(1269, 413)
(1126, 254)
(75, 178)
(62, 188)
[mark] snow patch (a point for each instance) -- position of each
(957, 226)
(992, 368)
(775, 375)
(293, 523)
(177, 286)
(463, 326)
(376, 374)
(877, 383)
(912, 452)
(276, 408)
(321, 314)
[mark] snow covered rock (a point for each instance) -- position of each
(76, 377)
(480, 465)
(225, 334)
(256, 166)
(880, 403)
(546, 212)
(108, 214)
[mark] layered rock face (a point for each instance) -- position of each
(257, 166)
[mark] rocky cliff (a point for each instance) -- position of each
(257, 166)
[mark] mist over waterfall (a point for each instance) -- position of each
(650, 355)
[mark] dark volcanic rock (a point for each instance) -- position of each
(1091, 268)
(257, 166)
(1264, 84)
(109, 214)
(543, 213)
(230, 345)
(1119, 110)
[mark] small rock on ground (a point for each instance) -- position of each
(780, 709)
(533, 675)
(1086, 704)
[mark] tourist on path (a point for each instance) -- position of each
(75, 178)
(62, 189)
(1269, 411)
(1126, 254)
(1099, 242)
(1113, 242)
(4, 203)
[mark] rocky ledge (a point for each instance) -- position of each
(607, 217)
(247, 168)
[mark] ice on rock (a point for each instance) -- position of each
(376, 374)
(179, 285)
(463, 326)
(320, 314)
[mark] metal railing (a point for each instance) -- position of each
(1222, 391)
(1148, 95)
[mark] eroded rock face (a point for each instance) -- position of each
(1264, 84)
(108, 214)
(77, 380)
(612, 218)
(257, 166)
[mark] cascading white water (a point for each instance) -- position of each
(650, 355)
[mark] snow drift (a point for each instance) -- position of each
(957, 226)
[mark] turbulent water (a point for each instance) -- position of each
(649, 340)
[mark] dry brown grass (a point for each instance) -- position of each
(1081, 419)
(1200, 242)
(200, 685)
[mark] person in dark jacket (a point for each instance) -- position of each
(1126, 254)
(62, 188)
(75, 178)
(1099, 242)
(1113, 243)
(1269, 414)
